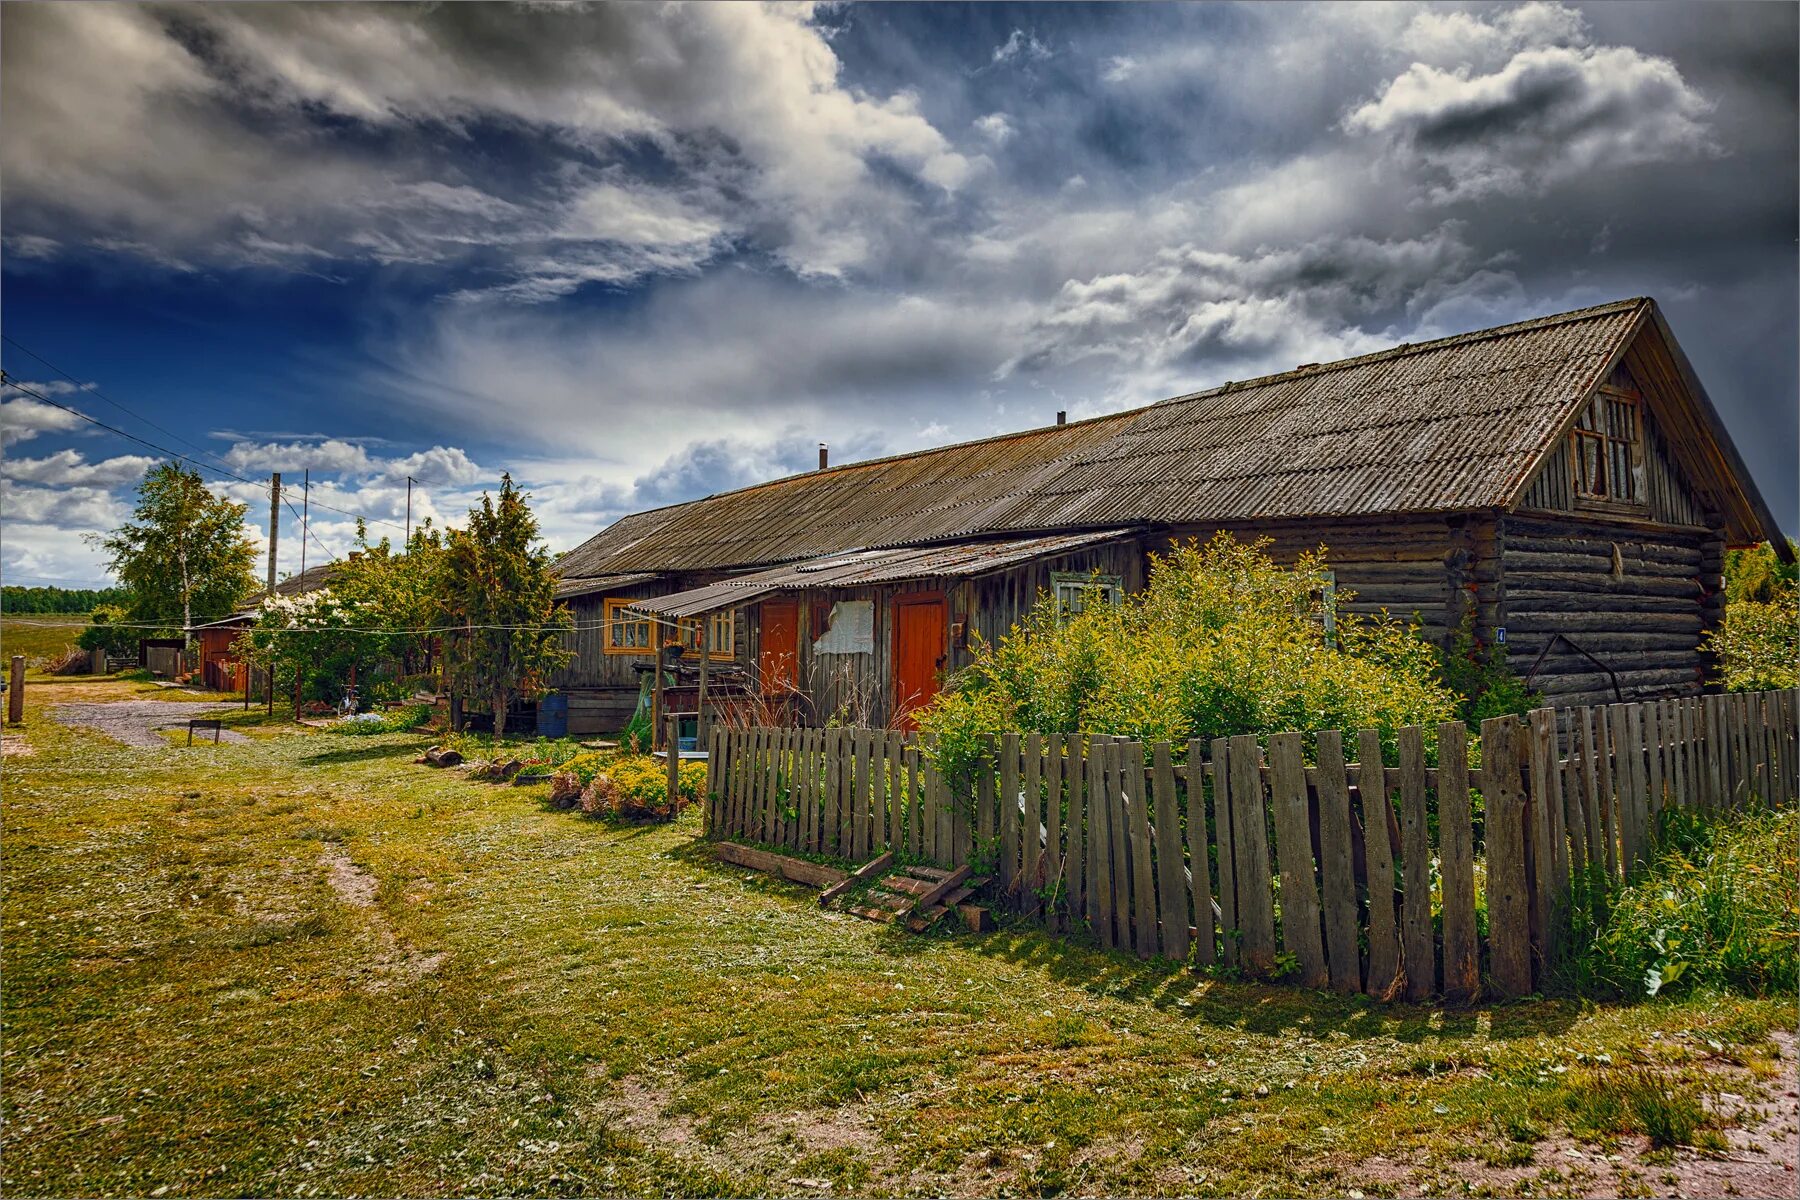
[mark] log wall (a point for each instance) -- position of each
(1633, 596)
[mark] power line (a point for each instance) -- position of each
(36, 395)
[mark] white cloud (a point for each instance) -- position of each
(66, 467)
(1020, 46)
(996, 128)
(1548, 115)
(329, 454)
(23, 418)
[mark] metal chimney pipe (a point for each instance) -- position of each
(824, 456)
(1062, 418)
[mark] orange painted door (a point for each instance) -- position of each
(920, 626)
(778, 662)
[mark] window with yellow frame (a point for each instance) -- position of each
(625, 633)
(628, 633)
(721, 638)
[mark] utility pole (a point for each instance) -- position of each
(305, 514)
(274, 524)
(274, 532)
(409, 483)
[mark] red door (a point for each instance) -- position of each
(920, 628)
(779, 660)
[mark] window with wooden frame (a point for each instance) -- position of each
(625, 632)
(721, 637)
(1606, 445)
(1075, 591)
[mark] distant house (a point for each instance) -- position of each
(221, 667)
(1563, 483)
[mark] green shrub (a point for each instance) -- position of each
(1222, 641)
(1718, 908)
(395, 720)
(1483, 681)
(637, 786)
(586, 765)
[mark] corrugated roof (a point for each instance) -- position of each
(859, 567)
(586, 585)
(1448, 425)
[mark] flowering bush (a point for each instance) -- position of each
(1223, 641)
(636, 786)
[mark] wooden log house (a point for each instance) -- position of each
(1563, 483)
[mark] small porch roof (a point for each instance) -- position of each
(587, 585)
(858, 568)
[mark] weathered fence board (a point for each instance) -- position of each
(1417, 940)
(1300, 930)
(1377, 814)
(1456, 842)
(1337, 869)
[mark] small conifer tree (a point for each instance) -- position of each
(501, 599)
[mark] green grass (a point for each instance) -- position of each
(1719, 907)
(39, 635)
(497, 998)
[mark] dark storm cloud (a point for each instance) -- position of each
(658, 251)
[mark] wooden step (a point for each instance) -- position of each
(920, 921)
(906, 883)
(934, 874)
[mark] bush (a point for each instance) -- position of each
(636, 786)
(1758, 643)
(1716, 909)
(1223, 641)
(1483, 681)
(110, 631)
(583, 767)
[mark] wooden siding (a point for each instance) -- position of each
(1630, 595)
(603, 688)
(1428, 568)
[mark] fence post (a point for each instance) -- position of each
(1508, 888)
(1378, 851)
(1249, 833)
(1221, 800)
(1337, 870)
(1171, 881)
(1300, 930)
(1456, 851)
(15, 692)
(1549, 852)
(674, 760)
(1199, 869)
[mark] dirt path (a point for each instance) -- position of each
(136, 722)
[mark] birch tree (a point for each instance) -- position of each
(184, 551)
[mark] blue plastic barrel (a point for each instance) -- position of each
(553, 715)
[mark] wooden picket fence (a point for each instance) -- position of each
(1259, 855)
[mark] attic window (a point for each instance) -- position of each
(1605, 452)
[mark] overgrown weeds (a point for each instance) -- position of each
(1718, 908)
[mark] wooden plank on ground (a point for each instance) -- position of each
(797, 869)
(1508, 888)
(1384, 975)
(1300, 923)
(862, 874)
(1171, 876)
(1230, 936)
(1199, 866)
(1418, 943)
(1337, 869)
(949, 883)
(1456, 859)
(1250, 837)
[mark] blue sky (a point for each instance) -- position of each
(634, 254)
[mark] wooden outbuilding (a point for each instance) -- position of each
(222, 668)
(1563, 484)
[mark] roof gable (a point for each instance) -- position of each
(1457, 424)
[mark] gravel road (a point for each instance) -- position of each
(135, 722)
